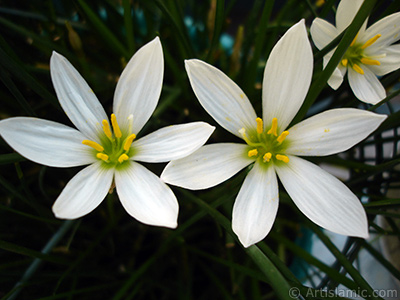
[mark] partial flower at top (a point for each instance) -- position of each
(273, 148)
(110, 148)
(370, 54)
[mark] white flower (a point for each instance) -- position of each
(109, 149)
(370, 54)
(320, 196)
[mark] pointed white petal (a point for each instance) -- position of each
(332, 131)
(323, 198)
(287, 76)
(76, 97)
(172, 142)
(337, 76)
(346, 11)
(388, 28)
(84, 192)
(366, 87)
(256, 205)
(322, 33)
(222, 98)
(207, 167)
(45, 142)
(139, 86)
(389, 63)
(145, 197)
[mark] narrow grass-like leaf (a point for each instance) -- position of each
(368, 292)
(251, 70)
(103, 30)
(39, 260)
(219, 19)
(274, 277)
(181, 30)
(21, 74)
(341, 49)
(129, 26)
(383, 261)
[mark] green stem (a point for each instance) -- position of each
(38, 261)
(274, 277)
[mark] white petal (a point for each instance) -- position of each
(84, 192)
(323, 198)
(322, 33)
(287, 76)
(172, 142)
(389, 63)
(76, 97)
(145, 197)
(207, 167)
(139, 86)
(366, 87)
(346, 11)
(388, 28)
(256, 205)
(221, 97)
(45, 142)
(332, 131)
(337, 76)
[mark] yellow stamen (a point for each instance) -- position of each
(352, 43)
(283, 136)
(106, 129)
(371, 41)
(260, 125)
(267, 157)
(283, 158)
(102, 156)
(253, 152)
(274, 127)
(358, 69)
(128, 141)
(93, 145)
(368, 61)
(115, 126)
(344, 62)
(122, 158)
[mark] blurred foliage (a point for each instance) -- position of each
(108, 254)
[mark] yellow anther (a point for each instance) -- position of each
(128, 141)
(260, 125)
(283, 158)
(368, 61)
(358, 69)
(252, 153)
(115, 126)
(274, 127)
(283, 136)
(352, 43)
(106, 129)
(344, 62)
(93, 145)
(122, 158)
(102, 156)
(371, 41)
(267, 157)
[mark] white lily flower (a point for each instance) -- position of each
(273, 150)
(371, 53)
(109, 149)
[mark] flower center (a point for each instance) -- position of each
(267, 145)
(115, 148)
(355, 55)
